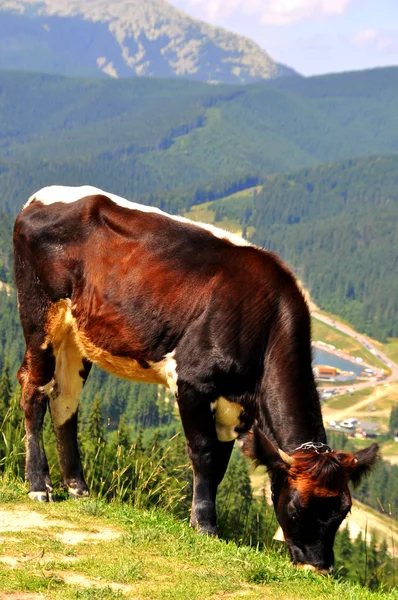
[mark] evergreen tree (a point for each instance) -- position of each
(123, 433)
(393, 423)
(343, 552)
(94, 430)
(94, 451)
(5, 390)
(358, 571)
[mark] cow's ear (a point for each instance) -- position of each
(365, 460)
(261, 450)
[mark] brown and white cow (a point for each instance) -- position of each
(156, 298)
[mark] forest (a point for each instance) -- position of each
(159, 136)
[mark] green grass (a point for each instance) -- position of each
(389, 448)
(349, 345)
(391, 349)
(204, 213)
(333, 384)
(154, 556)
(347, 400)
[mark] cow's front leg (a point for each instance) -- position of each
(209, 457)
(71, 372)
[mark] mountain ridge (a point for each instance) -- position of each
(127, 38)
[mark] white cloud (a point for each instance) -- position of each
(380, 40)
(275, 12)
(365, 37)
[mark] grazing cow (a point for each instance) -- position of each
(156, 298)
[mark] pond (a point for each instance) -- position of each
(322, 357)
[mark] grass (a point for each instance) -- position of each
(389, 448)
(381, 398)
(349, 345)
(333, 384)
(347, 400)
(390, 348)
(151, 555)
(204, 214)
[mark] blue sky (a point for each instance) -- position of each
(312, 36)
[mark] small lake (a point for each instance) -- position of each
(322, 357)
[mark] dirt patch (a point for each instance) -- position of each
(72, 578)
(20, 596)
(10, 561)
(19, 520)
(9, 540)
(391, 459)
(236, 594)
(16, 562)
(242, 594)
(73, 537)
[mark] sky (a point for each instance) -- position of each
(312, 36)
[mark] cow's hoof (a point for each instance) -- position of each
(209, 530)
(50, 493)
(38, 496)
(77, 494)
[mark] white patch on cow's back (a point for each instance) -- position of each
(68, 194)
(227, 417)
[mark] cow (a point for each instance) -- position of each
(156, 298)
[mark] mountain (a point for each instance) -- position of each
(145, 136)
(126, 37)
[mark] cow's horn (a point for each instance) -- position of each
(285, 457)
(279, 536)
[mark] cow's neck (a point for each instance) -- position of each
(291, 411)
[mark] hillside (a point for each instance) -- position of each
(125, 38)
(148, 136)
(70, 550)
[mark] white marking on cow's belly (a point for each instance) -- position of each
(167, 369)
(65, 389)
(227, 417)
(68, 194)
(70, 346)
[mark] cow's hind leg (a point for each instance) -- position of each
(36, 371)
(208, 455)
(71, 372)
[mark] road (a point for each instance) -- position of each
(393, 367)
(361, 409)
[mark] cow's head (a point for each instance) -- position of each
(310, 493)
